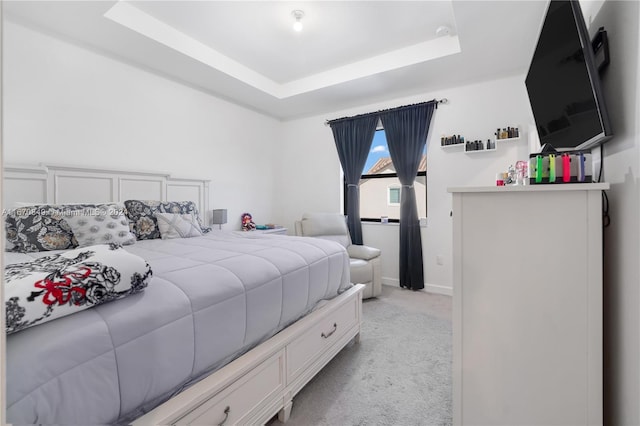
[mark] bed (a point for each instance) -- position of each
(229, 329)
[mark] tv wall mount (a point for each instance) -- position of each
(600, 45)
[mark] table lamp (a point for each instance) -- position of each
(219, 217)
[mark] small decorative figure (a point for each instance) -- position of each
(511, 175)
(247, 222)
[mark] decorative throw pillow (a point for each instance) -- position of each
(99, 226)
(8, 245)
(61, 284)
(37, 228)
(43, 227)
(142, 218)
(142, 221)
(176, 225)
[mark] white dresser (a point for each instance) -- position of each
(527, 305)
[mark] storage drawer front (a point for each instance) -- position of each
(241, 398)
(304, 349)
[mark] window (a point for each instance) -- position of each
(380, 187)
(393, 198)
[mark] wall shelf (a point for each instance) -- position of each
(455, 145)
(507, 139)
(495, 144)
(480, 151)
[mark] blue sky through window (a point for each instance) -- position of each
(379, 149)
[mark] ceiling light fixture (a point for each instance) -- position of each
(298, 15)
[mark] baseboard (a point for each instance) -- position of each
(431, 288)
(439, 289)
(394, 282)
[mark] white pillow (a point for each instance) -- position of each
(100, 225)
(176, 225)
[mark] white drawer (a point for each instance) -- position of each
(237, 403)
(306, 348)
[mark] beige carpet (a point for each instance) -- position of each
(399, 373)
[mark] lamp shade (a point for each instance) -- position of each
(219, 216)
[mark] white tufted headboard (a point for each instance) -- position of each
(56, 184)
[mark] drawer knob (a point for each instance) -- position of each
(226, 415)
(326, 336)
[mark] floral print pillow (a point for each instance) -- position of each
(43, 227)
(142, 218)
(61, 284)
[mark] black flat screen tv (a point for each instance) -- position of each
(563, 83)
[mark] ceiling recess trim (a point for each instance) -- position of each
(146, 25)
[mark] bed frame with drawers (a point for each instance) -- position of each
(254, 387)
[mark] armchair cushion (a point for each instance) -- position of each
(362, 252)
(326, 225)
(361, 271)
(365, 263)
(329, 226)
(314, 224)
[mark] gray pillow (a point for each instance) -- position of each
(176, 225)
(100, 226)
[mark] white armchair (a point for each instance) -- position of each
(364, 260)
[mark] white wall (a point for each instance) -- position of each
(474, 111)
(621, 160)
(68, 105)
(309, 177)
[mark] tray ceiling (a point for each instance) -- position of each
(348, 53)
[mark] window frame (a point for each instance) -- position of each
(382, 176)
(389, 188)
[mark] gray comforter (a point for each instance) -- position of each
(211, 299)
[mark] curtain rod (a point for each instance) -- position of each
(438, 101)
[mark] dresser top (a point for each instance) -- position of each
(534, 188)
